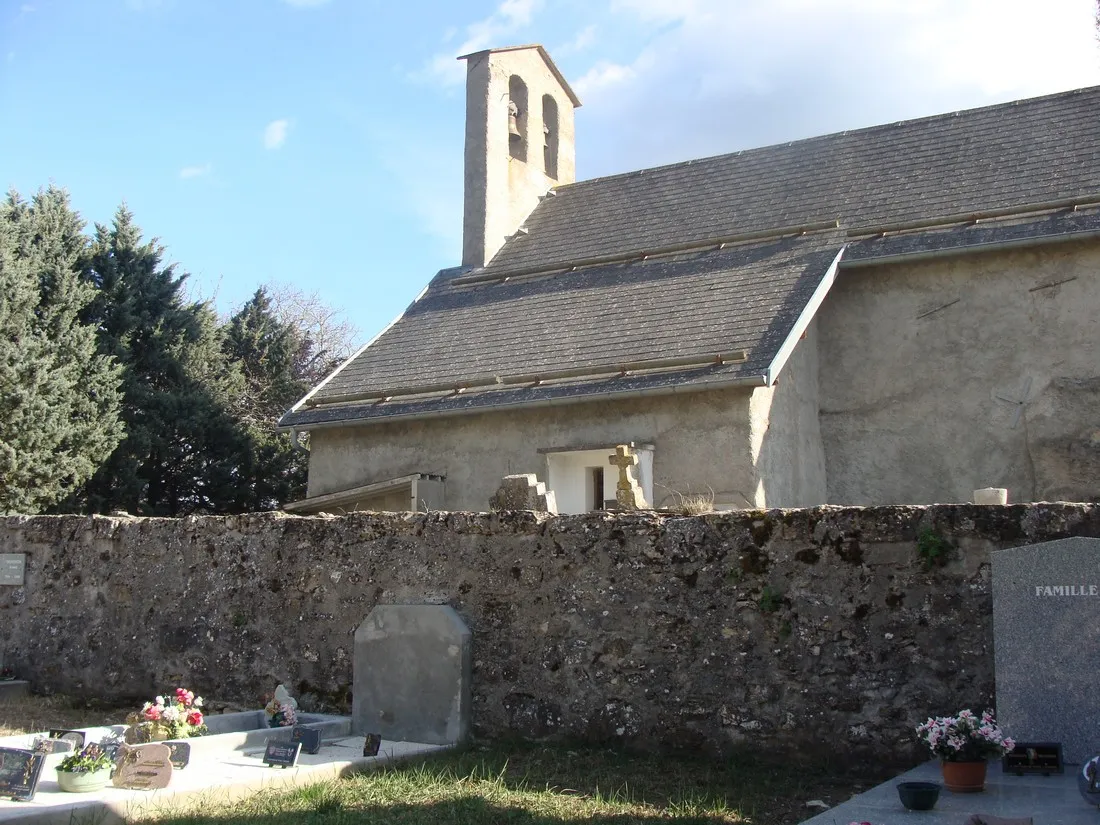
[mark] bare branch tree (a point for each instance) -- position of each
(332, 335)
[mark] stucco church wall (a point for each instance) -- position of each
(701, 443)
(923, 366)
(785, 631)
(786, 438)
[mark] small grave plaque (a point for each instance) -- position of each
(281, 754)
(20, 771)
(74, 736)
(12, 568)
(179, 754)
(47, 746)
(1034, 757)
(143, 767)
(371, 744)
(310, 738)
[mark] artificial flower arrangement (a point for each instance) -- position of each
(92, 758)
(965, 737)
(171, 717)
(282, 710)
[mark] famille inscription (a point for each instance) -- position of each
(1067, 590)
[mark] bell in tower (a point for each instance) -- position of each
(513, 118)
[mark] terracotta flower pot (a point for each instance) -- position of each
(84, 781)
(964, 777)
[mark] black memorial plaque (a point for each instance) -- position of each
(1034, 757)
(179, 754)
(310, 738)
(280, 754)
(20, 771)
(371, 744)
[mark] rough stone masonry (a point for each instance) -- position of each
(829, 629)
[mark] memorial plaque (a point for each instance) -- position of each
(1046, 642)
(143, 767)
(46, 745)
(310, 738)
(20, 771)
(281, 754)
(12, 568)
(1042, 758)
(75, 736)
(371, 744)
(179, 754)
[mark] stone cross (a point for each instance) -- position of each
(627, 492)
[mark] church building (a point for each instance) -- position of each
(895, 315)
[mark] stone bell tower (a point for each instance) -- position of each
(519, 143)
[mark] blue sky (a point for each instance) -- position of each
(319, 142)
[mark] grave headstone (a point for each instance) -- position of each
(20, 771)
(143, 767)
(523, 492)
(411, 674)
(1046, 643)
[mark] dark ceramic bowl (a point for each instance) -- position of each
(919, 796)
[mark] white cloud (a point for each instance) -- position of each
(196, 171)
(712, 76)
(507, 19)
(275, 133)
(581, 41)
(603, 76)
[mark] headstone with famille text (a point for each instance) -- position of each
(1046, 643)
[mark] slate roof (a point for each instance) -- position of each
(1027, 152)
(526, 313)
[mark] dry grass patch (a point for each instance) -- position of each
(38, 713)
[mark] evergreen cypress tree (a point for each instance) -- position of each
(183, 451)
(273, 356)
(59, 399)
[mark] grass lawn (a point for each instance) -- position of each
(527, 784)
(516, 783)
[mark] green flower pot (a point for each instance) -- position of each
(85, 781)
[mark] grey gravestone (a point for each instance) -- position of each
(1046, 643)
(411, 680)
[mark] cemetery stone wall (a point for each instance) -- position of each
(833, 629)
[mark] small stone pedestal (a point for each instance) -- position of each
(411, 674)
(14, 690)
